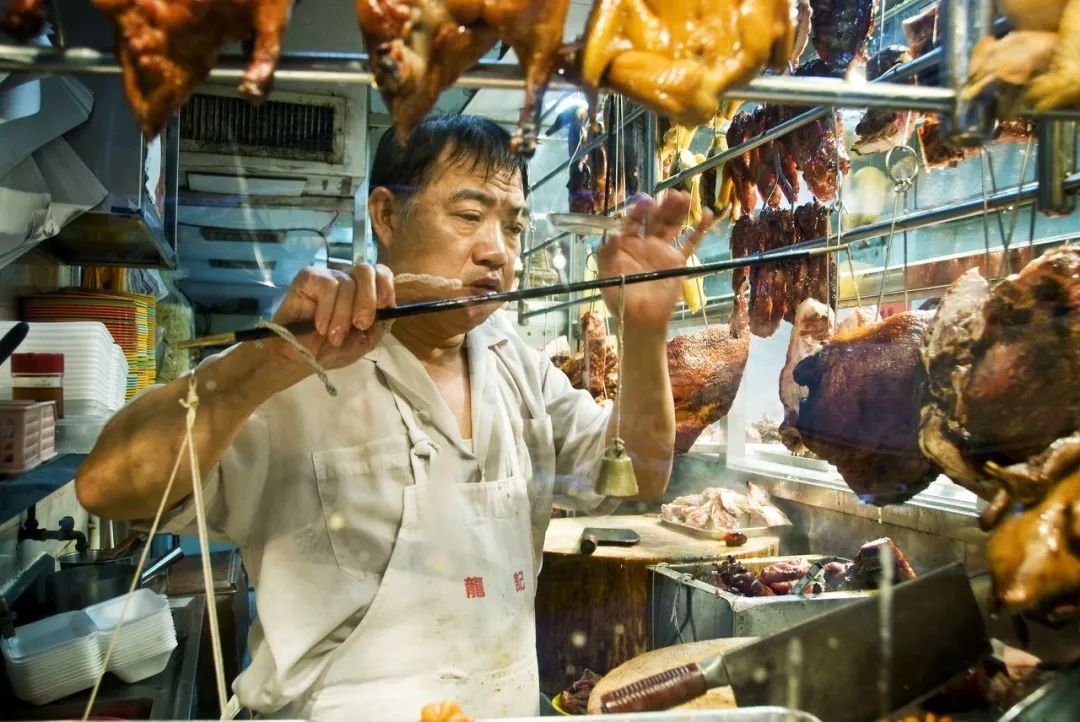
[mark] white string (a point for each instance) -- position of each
(135, 579)
(290, 339)
(191, 403)
(619, 341)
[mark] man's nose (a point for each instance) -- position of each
(494, 249)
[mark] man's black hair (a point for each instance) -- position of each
(470, 139)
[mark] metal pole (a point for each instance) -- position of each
(968, 123)
(1055, 161)
(586, 149)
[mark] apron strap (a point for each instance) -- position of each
(423, 449)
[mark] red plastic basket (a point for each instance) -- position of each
(27, 435)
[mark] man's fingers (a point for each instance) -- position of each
(384, 287)
(319, 287)
(690, 246)
(669, 216)
(341, 317)
(362, 308)
(636, 217)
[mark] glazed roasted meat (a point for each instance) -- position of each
(866, 569)
(588, 173)
(882, 130)
(678, 57)
(777, 288)
(418, 48)
(166, 49)
(841, 29)
(1004, 369)
(706, 368)
(865, 389)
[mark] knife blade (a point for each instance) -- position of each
(936, 630)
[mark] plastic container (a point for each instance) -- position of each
(38, 377)
(64, 654)
(27, 435)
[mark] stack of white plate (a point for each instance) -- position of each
(53, 657)
(95, 368)
(147, 637)
(64, 654)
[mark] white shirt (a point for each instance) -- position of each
(311, 488)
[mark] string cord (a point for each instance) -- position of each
(620, 330)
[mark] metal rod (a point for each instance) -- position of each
(352, 68)
(1055, 160)
(544, 244)
(451, 304)
(967, 123)
(562, 306)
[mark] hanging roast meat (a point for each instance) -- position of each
(882, 130)
(813, 325)
(677, 57)
(166, 49)
(865, 389)
(1004, 369)
(418, 48)
(841, 29)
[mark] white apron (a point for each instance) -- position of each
(454, 614)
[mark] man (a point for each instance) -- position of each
(394, 532)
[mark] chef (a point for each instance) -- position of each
(394, 532)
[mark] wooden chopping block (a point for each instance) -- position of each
(661, 660)
(593, 611)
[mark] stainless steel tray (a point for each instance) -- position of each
(718, 534)
(683, 609)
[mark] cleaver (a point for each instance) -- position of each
(830, 665)
(593, 537)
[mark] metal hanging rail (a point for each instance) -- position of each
(586, 149)
(873, 235)
(352, 69)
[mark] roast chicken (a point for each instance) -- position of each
(418, 48)
(1041, 55)
(865, 389)
(677, 57)
(166, 49)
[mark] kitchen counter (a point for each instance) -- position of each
(169, 695)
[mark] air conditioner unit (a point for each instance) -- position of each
(293, 144)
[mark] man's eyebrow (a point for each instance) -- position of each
(471, 194)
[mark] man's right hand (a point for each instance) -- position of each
(343, 305)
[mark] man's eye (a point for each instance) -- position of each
(470, 217)
(516, 228)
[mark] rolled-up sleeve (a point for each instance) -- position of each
(579, 426)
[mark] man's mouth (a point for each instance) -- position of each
(484, 285)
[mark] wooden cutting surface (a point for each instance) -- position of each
(659, 542)
(660, 660)
(592, 612)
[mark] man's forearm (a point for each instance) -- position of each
(126, 474)
(648, 412)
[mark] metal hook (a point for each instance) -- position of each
(902, 183)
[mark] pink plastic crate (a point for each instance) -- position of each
(27, 435)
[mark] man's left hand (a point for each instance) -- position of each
(646, 243)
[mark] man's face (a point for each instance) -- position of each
(467, 225)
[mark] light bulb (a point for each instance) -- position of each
(558, 262)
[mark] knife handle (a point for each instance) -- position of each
(658, 692)
(589, 542)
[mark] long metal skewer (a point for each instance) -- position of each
(451, 304)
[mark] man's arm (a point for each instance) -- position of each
(125, 475)
(646, 243)
(648, 412)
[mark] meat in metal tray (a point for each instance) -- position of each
(719, 534)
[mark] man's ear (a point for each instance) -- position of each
(381, 207)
